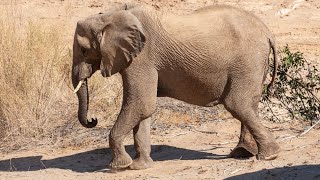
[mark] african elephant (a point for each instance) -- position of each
(215, 55)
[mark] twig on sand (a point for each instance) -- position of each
(12, 167)
(43, 164)
(284, 135)
(206, 132)
(303, 133)
(225, 170)
(153, 177)
(10, 164)
(289, 137)
(184, 133)
(235, 171)
(223, 143)
(179, 134)
(297, 147)
(179, 158)
(306, 131)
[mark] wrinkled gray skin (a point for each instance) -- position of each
(217, 54)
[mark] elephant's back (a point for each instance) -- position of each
(219, 23)
(245, 23)
(229, 12)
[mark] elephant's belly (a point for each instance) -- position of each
(198, 91)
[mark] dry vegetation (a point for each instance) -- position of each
(36, 99)
(34, 78)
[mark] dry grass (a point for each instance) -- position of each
(36, 95)
(34, 72)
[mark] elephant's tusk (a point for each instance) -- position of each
(78, 86)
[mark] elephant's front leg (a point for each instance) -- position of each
(142, 145)
(139, 103)
(130, 116)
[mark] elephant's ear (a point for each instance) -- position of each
(120, 40)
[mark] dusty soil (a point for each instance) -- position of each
(198, 152)
(184, 150)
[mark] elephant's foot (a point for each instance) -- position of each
(269, 151)
(244, 151)
(121, 161)
(141, 163)
(247, 146)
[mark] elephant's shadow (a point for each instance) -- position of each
(97, 160)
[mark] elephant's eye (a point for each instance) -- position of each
(84, 51)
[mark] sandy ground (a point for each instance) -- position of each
(196, 151)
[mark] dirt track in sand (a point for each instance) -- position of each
(183, 153)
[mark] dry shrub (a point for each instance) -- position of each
(33, 73)
(36, 99)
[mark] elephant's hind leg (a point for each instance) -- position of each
(247, 146)
(142, 145)
(242, 102)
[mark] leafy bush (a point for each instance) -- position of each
(296, 87)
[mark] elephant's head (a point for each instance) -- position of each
(108, 42)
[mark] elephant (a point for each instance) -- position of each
(215, 55)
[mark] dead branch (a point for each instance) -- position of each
(223, 143)
(235, 171)
(43, 164)
(306, 131)
(206, 132)
(303, 133)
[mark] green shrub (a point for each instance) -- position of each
(296, 87)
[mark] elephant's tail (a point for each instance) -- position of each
(275, 63)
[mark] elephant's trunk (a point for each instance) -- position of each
(83, 98)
